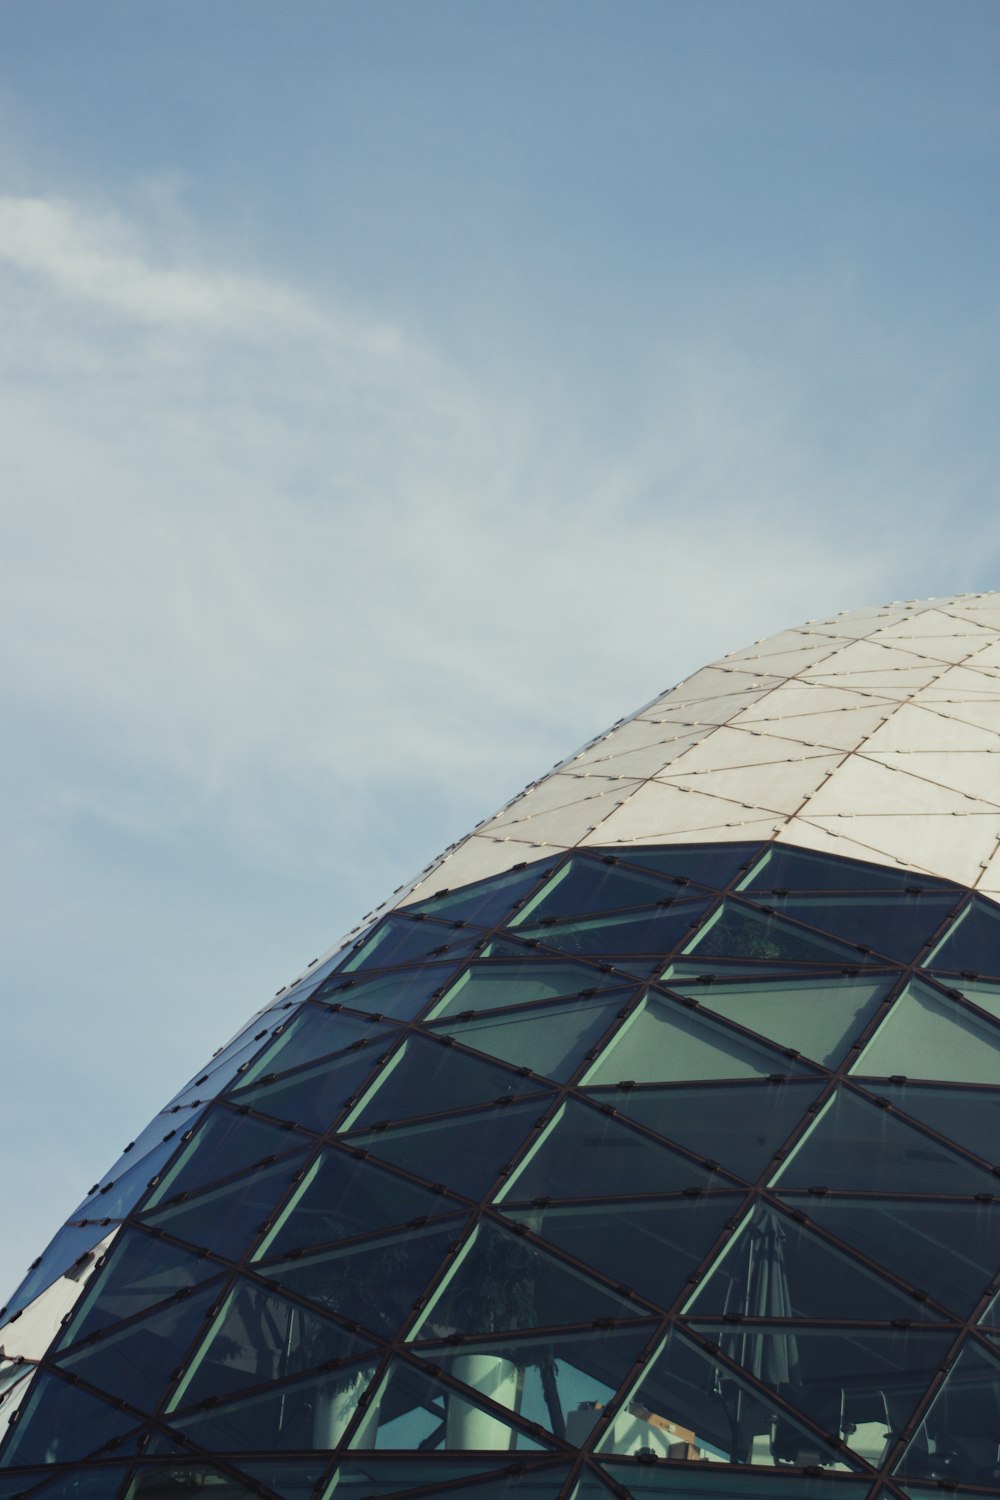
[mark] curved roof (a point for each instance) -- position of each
(875, 734)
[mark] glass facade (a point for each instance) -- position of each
(628, 1172)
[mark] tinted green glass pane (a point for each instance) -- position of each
(224, 1143)
(414, 1409)
(426, 1078)
(785, 869)
(986, 996)
(313, 1032)
(819, 1017)
(737, 931)
(314, 1096)
(135, 1362)
(439, 1151)
(855, 1146)
(947, 1249)
(499, 1281)
(651, 1247)
(693, 1483)
(140, 1272)
(401, 995)
(292, 1479)
(926, 1035)
(710, 864)
(341, 1197)
(653, 931)
(402, 939)
(60, 1423)
(586, 1154)
(99, 1483)
(897, 926)
(585, 885)
(740, 1125)
(690, 1405)
(376, 1283)
(258, 1337)
(969, 1116)
(957, 1440)
(551, 1040)
(295, 1417)
(487, 902)
(560, 1383)
(496, 984)
(708, 971)
(774, 1267)
(861, 1385)
(973, 942)
(664, 1042)
(227, 1219)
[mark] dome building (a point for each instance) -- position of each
(645, 1146)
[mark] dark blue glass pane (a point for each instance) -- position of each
(897, 926)
(785, 869)
(225, 1143)
(494, 984)
(295, 1417)
(709, 864)
(313, 1032)
(381, 1478)
(400, 995)
(70, 1252)
(401, 939)
(99, 1483)
(957, 1440)
(342, 1197)
(292, 1479)
(314, 1096)
(969, 1116)
(740, 1125)
(487, 902)
(584, 885)
(708, 1483)
(115, 1197)
(426, 1077)
(973, 944)
(738, 931)
(226, 1220)
(140, 1272)
(650, 931)
(60, 1423)
(465, 1152)
(412, 1408)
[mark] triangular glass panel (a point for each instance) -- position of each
(991, 1317)
(375, 1283)
(225, 1142)
(372, 1478)
(787, 869)
(584, 1153)
(140, 1272)
(653, 930)
(986, 996)
(258, 1337)
(135, 1362)
(972, 944)
(583, 886)
(560, 1383)
(486, 903)
(663, 1041)
(740, 1125)
(465, 1152)
(947, 1249)
(690, 1405)
(294, 1417)
(70, 1252)
(957, 1440)
(314, 1096)
(926, 1035)
(819, 1016)
(60, 1423)
(709, 864)
(653, 1248)
(497, 984)
(116, 1196)
(158, 1481)
(342, 1197)
(739, 931)
(855, 1146)
(707, 1483)
(412, 1408)
(881, 1375)
(499, 1281)
(969, 1116)
(399, 996)
(710, 971)
(897, 926)
(313, 1032)
(227, 1219)
(551, 1040)
(774, 1267)
(400, 939)
(425, 1077)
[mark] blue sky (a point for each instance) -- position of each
(394, 394)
